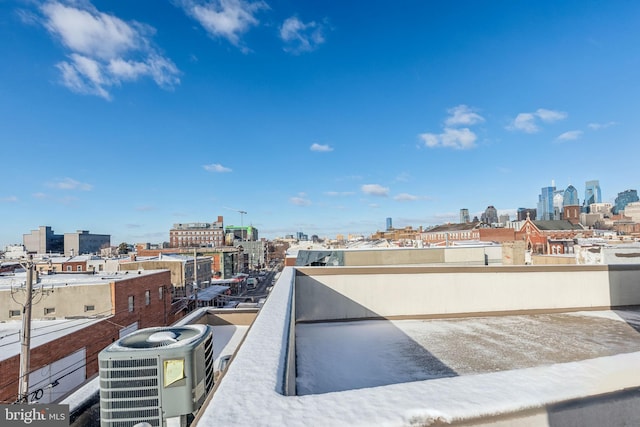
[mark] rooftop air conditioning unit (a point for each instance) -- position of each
(154, 374)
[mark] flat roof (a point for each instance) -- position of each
(42, 332)
(457, 390)
(9, 281)
(340, 356)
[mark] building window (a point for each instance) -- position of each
(79, 268)
(14, 313)
(69, 268)
(49, 310)
(160, 292)
(89, 307)
(130, 303)
(147, 297)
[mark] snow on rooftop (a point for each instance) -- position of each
(353, 355)
(226, 338)
(42, 332)
(7, 282)
(252, 392)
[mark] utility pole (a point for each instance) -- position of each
(195, 277)
(25, 336)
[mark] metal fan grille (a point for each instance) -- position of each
(129, 392)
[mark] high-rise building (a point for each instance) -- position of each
(464, 216)
(558, 202)
(571, 197)
(389, 224)
(623, 199)
(592, 192)
(545, 203)
(524, 212)
(490, 215)
(571, 205)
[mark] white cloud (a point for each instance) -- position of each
(69, 184)
(375, 190)
(598, 126)
(462, 115)
(460, 139)
(161, 70)
(300, 37)
(406, 197)
(225, 18)
(570, 135)
(300, 200)
(104, 50)
(525, 122)
(9, 199)
(216, 167)
(550, 116)
(528, 122)
(145, 208)
(321, 148)
(453, 136)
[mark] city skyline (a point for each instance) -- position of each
(124, 119)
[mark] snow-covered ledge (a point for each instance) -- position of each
(252, 391)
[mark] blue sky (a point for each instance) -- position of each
(124, 118)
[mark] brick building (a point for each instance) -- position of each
(197, 234)
(550, 237)
(64, 352)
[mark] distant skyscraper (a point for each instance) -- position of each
(558, 199)
(623, 199)
(592, 193)
(522, 214)
(464, 216)
(545, 203)
(389, 225)
(490, 215)
(571, 196)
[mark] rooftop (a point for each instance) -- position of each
(42, 332)
(9, 281)
(400, 346)
(341, 356)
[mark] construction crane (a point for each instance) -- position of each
(242, 213)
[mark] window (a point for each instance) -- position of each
(69, 268)
(79, 268)
(160, 292)
(147, 297)
(49, 310)
(89, 307)
(14, 313)
(130, 303)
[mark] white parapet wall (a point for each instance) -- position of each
(604, 390)
(370, 292)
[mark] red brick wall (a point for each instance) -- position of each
(497, 234)
(96, 337)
